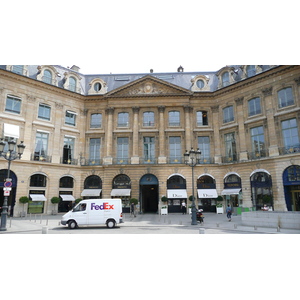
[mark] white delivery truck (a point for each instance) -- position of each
(94, 212)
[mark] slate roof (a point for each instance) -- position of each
(114, 81)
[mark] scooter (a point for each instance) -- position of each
(199, 216)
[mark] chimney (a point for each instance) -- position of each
(75, 68)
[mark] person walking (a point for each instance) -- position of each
(229, 212)
(183, 207)
(132, 209)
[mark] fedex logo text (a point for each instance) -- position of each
(105, 206)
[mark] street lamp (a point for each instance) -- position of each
(192, 158)
(9, 155)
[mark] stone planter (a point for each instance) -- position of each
(164, 211)
(220, 210)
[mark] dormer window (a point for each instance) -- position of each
(72, 84)
(225, 79)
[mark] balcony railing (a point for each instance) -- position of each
(41, 158)
(230, 159)
(258, 154)
(206, 160)
(289, 150)
(70, 161)
(121, 161)
(90, 162)
(147, 161)
(175, 160)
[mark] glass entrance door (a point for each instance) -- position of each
(296, 200)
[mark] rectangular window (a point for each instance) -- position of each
(70, 118)
(13, 104)
(68, 150)
(94, 151)
(230, 147)
(96, 120)
(44, 112)
(123, 119)
(149, 149)
(148, 118)
(175, 151)
(122, 150)
(174, 118)
(258, 142)
(202, 118)
(290, 133)
(204, 146)
(228, 114)
(285, 97)
(254, 107)
(41, 146)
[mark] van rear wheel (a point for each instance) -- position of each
(72, 224)
(110, 223)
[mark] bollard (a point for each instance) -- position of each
(278, 229)
(201, 230)
(10, 222)
(255, 228)
(44, 229)
(41, 219)
(30, 217)
(47, 221)
(235, 226)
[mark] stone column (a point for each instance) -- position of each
(273, 146)
(240, 121)
(107, 160)
(162, 154)
(135, 136)
(188, 144)
(216, 126)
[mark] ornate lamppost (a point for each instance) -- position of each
(192, 158)
(9, 155)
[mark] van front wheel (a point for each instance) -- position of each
(72, 224)
(110, 223)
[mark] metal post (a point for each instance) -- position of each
(194, 210)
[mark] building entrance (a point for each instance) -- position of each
(149, 194)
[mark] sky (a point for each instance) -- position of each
(134, 36)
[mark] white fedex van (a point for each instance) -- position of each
(94, 212)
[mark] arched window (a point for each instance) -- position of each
(38, 180)
(261, 190)
(47, 78)
(225, 79)
(66, 182)
(174, 118)
(148, 118)
(93, 182)
(285, 97)
(72, 84)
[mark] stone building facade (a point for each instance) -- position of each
(125, 135)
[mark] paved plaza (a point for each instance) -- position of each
(142, 224)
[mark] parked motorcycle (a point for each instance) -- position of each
(199, 216)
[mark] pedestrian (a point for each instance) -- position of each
(183, 207)
(229, 212)
(132, 209)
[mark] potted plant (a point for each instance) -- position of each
(77, 200)
(23, 200)
(54, 200)
(219, 205)
(164, 199)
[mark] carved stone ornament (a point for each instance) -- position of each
(267, 91)
(149, 88)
